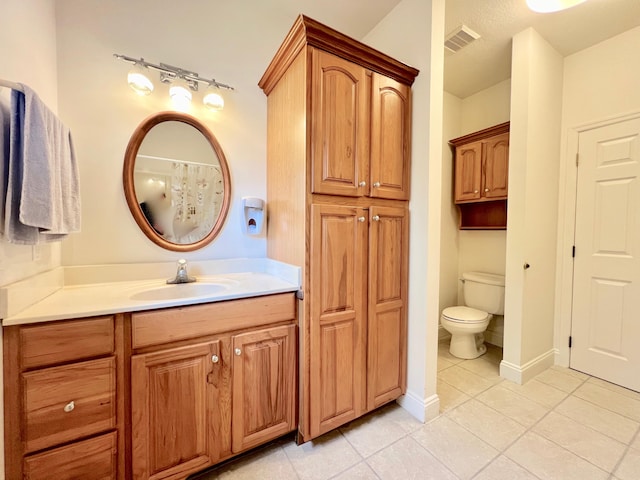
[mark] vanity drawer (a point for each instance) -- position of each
(93, 459)
(164, 326)
(66, 341)
(64, 403)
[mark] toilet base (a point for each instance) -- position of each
(467, 346)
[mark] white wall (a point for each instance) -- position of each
(28, 55)
(536, 85)
(215, 39)
(608, 75)
(449, 238)
(420, 45)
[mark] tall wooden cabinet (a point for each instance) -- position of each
(338, 170)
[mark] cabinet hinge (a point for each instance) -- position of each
(300, 294)
(573, 252)
(577, 158)
(570, 341)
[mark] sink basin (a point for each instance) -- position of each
(180, 291)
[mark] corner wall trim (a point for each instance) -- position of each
(522, 374)
(423, 409)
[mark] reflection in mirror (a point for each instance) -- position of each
(176, 181)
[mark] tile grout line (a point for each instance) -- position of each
(626, 451)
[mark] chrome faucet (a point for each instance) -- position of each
(181, 275)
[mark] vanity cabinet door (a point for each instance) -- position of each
(264, 386)
(172, 405)
(340, 126)
(496, 167)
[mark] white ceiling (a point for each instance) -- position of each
(487, 61)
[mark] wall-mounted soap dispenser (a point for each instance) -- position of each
(254, 215)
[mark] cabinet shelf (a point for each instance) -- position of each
(483, 215)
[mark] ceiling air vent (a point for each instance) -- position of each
(460, 38)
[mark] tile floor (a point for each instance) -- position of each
(562, 425)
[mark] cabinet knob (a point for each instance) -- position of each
(215, 358)
(361, 219)
(69, 407)
(363, 184)
(486, 189)
(376, 218)
(238, 352)
(475, 191)
(376, 184)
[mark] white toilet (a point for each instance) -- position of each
(484, 297)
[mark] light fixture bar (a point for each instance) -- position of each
(169, 73)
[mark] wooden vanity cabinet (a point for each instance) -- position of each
(481, 177)
(65, 415)
(338, 169)
(202, 393)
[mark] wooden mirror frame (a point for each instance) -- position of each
(129, 190)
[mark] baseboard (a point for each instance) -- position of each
(442, 333)
(423, 409)
(522, 374)
(494, 338)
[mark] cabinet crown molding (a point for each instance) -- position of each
(481, 134)
(306, 31)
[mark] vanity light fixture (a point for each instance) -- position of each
(548, 6)
(182, 82)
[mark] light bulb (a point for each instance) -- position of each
(213, 100)
(180, 93)
(548, 6)
(139, 81)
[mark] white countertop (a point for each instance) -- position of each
(81, 299)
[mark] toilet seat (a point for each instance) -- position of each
(462, 314)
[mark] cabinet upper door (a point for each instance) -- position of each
(387, 327)
(172, 405)
(496, 167)
(390, 138)
(337, 327)
(468, 172)
(339, 126)
(264, 386)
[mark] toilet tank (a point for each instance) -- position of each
(484, 291)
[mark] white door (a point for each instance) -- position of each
(605, 326)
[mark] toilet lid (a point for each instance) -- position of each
(465, 314)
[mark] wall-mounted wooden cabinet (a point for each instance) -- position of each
(481, 177)
(338, 168)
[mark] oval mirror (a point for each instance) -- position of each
(176, 181)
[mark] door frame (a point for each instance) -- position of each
(566, 233)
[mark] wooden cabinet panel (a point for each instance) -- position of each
(340, 125)
(157, 327)
(387, 326)
(65, 403)
(93, 459)
(468, 172)
(264, 386)
(172, 405)
(496, 167)
(338, 316)
(59, 342)
(390, 138)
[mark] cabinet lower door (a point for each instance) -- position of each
(337, 323)
(264, 386)
(171, 409)
(387, 328)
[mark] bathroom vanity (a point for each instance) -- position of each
(156, 388)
